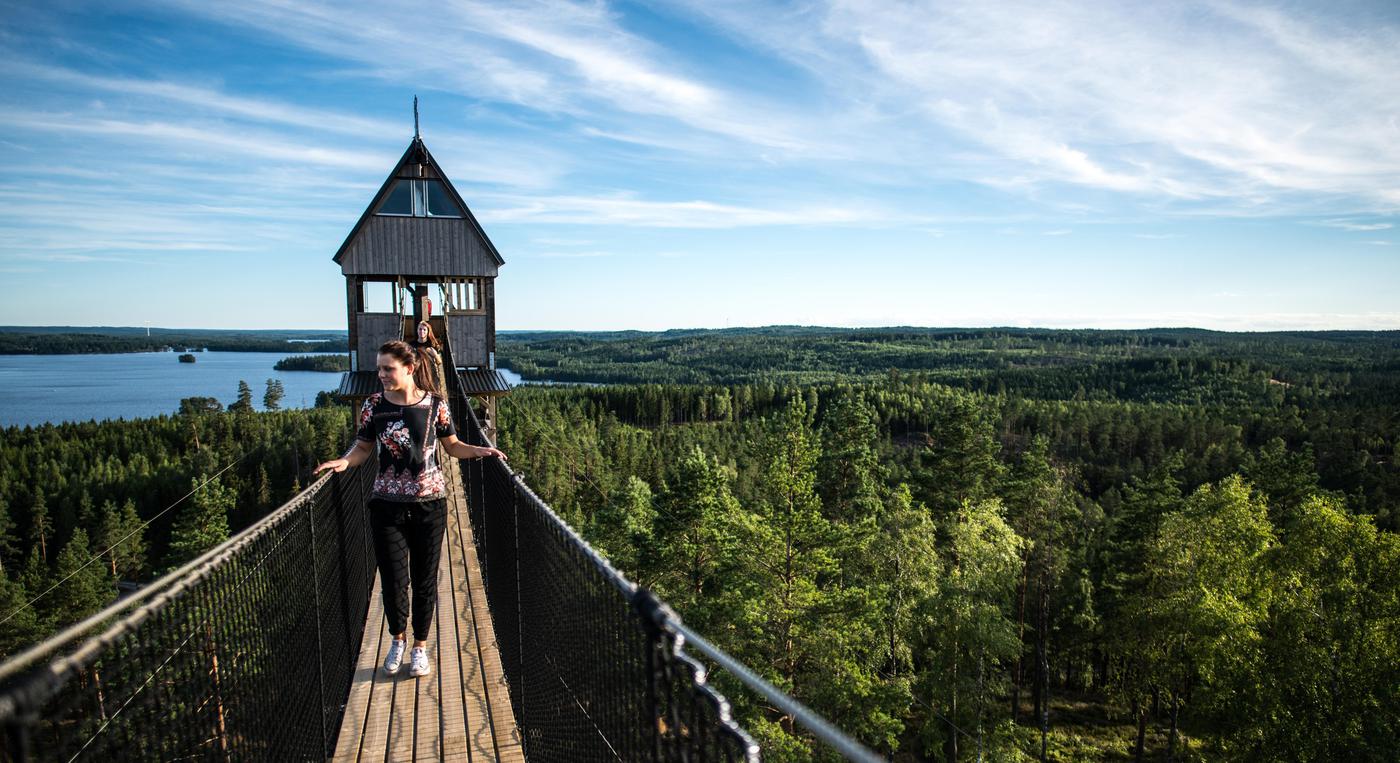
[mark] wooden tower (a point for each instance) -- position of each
(415, 234)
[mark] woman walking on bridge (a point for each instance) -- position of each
(427, 343)
(408, 505)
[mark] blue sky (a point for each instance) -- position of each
(678, 164)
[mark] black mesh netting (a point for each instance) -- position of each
(246, 653)
(595, 672)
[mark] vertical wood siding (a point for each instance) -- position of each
(418, 246)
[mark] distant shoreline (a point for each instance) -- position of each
(77, 340)
(88, 340)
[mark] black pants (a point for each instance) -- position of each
(407, 545)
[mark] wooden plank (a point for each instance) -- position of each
(503, 725)
(462, 710)
(427, 738)
(399, 744)
(480, 738)
(375, 745)
(455, 717)
(357, 704)
(506, 736)
(367, 728)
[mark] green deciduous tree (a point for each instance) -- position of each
(970, 629)
(902, 576)
(1327, 684)
(905, 567)
(622, 529)
(1206, 598)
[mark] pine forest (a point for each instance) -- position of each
(954, 544)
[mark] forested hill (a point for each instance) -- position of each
(75, 340)
(981, 544)
(1041, 362)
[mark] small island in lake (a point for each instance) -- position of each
(187, 358)
(336, 363)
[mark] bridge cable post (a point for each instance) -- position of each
(316, 592)
(519, 616)
(647, 608)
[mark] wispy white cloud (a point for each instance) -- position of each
(1215, 106)
(553, 56)
(554, 241)
(207, 100)
(634, 212)
(1352, 225)
(570, 254)
(908, 121)
(62, 257)
(205, 136)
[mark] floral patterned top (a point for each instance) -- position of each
(408, 466)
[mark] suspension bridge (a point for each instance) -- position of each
(266, 647)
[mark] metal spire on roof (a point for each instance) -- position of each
(415, 116)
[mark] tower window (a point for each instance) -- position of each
(399, 201)
(439, 202)
(419, 198)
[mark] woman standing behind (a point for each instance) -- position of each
(427, 342)
(408, 505)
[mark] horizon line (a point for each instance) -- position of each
(986, 327)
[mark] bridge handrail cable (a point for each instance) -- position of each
(680, 717)
(121, 683)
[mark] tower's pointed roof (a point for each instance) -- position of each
(416, 154)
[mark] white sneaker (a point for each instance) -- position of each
(419, 660)
(395, 658)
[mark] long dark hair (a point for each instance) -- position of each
(432, 338)
(409, 355)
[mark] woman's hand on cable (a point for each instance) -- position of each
(483, 452)
(338, 465)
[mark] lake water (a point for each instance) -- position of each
(55, 388)
(40, 389)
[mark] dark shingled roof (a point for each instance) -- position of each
(474, 382)
(358, 384)
(484, 381)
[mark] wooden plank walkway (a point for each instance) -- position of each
(460, 711)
